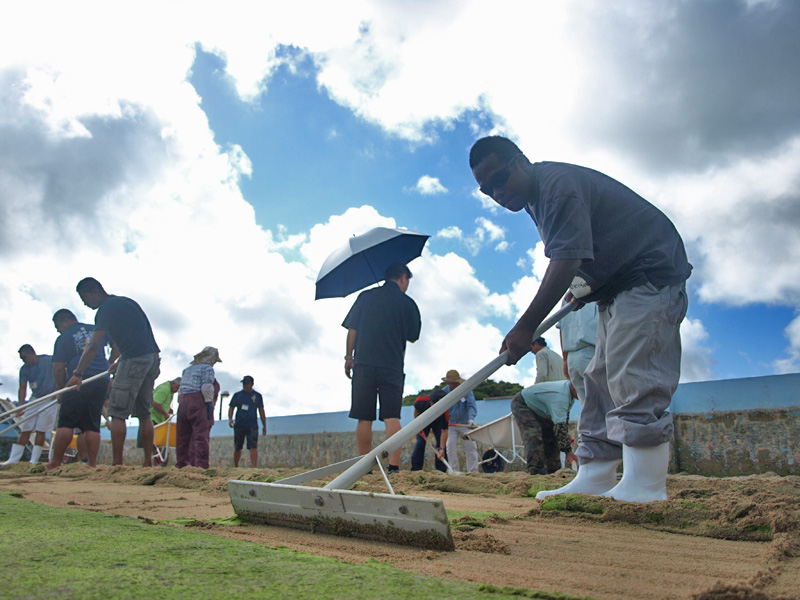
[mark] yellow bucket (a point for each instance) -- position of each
(165, 434)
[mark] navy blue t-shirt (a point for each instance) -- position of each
(385, 319)
(126, 323)
(69, 348)
(247, 404)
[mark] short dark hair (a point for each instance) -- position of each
(27, 349)
(396, 271)
(89, 284)
(63, 314)
(541, 341)
(503, 147)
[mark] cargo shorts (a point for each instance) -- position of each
(132, 388)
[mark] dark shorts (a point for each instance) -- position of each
(81, 409)
(240, 434)
(373, 383)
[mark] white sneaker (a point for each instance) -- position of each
(593, 478)
(644, 474)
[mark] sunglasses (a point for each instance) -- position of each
(499, 179)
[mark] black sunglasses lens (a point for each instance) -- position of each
(498, 180)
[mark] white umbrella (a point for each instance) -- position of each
(364, 258)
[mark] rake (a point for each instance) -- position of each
(335, 509)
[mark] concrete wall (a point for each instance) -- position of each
(738, 426)
(722, 428)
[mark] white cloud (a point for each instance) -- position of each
(696, 361)
(791, 364)
(450, 233)
(429, 186)
(740, 223)
(486, 202)
(486, 233)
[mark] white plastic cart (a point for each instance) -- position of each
(504, 440)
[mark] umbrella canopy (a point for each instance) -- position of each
(364, 258)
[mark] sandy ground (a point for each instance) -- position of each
(714, 539)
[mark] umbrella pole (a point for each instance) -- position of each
(378, 278)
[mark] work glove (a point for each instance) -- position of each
(210, 411)
(472, 423)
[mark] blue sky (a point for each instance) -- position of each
(208, 173)
(298, 120)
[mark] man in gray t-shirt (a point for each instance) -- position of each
(606, 244)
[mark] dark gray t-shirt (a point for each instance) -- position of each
(385, 319)
(622, 239)
(126, 323)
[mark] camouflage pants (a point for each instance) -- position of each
(541, 447)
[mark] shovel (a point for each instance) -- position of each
(335, 509)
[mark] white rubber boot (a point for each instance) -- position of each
(15, 456)
(593, 478)
(35, 454)
(644, 474)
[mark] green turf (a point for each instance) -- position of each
(67, 553)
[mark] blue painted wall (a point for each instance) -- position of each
(752, 393)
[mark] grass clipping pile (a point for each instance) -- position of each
(490, 515)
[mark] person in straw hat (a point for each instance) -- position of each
(196, 397)
(462, 419)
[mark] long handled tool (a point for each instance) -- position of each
(336, 509)
(39, 408)
(43, 403)
(443, 460)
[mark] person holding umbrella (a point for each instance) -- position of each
(378, 325)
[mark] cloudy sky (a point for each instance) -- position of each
(205, 161)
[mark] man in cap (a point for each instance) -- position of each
(196, 397)
(606, 244)
(462, 419)
(245, 426)
(37, 371)
(124, 321)
(378, 325)
(549, 365)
